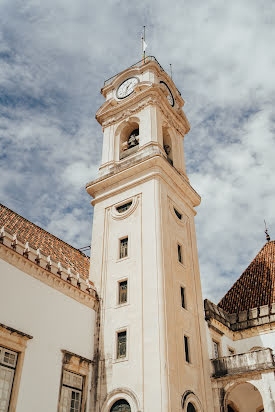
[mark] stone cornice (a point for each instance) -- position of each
(61, 280)
(11, 331)
(112, 112)
(147, 168)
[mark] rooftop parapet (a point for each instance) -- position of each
(242, 320)
(35, 256)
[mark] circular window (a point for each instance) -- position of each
(121, 406)
(191, 407)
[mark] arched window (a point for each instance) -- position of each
(191, 407)
(121, 406)
(129, 139)
(167, 145)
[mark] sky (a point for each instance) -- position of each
(54, 58)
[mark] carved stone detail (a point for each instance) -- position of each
(151, 100)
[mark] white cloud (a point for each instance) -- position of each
(55, 56)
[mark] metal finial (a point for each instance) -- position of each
(266, 232)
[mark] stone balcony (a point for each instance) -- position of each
(257, 360)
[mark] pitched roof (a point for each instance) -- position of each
(256, 286)
(48, 244)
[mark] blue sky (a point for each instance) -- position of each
(55, 56)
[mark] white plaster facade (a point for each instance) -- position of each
(54, 320)
(154, 373)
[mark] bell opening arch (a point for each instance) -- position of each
(127, 138)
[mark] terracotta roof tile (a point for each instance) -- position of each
(256, 286)
(46, 242)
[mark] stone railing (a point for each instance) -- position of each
(242, 320)
(137, 64)
(68, 275)
(257, 360)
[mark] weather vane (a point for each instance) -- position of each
(144, 45)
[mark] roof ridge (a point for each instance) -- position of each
(63, 241)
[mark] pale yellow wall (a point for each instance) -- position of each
(55, 321)
(154, 375)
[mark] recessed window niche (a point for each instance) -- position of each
(178, 214)
(167, 145)
(129, 140)
(124, 207)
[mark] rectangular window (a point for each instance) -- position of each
(8, 360)
(123, 250)
(179, 253)
(186, 348)
(215, 349)
(122, 293)
(121, 344)
(71, 392)
(182, 294)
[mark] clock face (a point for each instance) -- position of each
(170, 97)
(126, 88)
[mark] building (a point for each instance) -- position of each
(241, 338)
(130, 333)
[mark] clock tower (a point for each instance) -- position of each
(150, 346)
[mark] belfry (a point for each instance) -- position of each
(145, 264)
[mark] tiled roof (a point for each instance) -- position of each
(48, 244)
(256, 286)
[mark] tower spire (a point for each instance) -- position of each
(266, 232)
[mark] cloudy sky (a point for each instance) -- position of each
(55, 55)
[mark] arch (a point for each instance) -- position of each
(121, 394)
(127, 137)
(231, 407)
(243, 396)
(190, 402)
(167, 144)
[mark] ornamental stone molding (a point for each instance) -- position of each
(121, 393)
(184, 218)
(123, 215)
(189, 396)
(148, 167)
(151, 96)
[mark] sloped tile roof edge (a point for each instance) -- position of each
(256, 285)
(47, 243)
